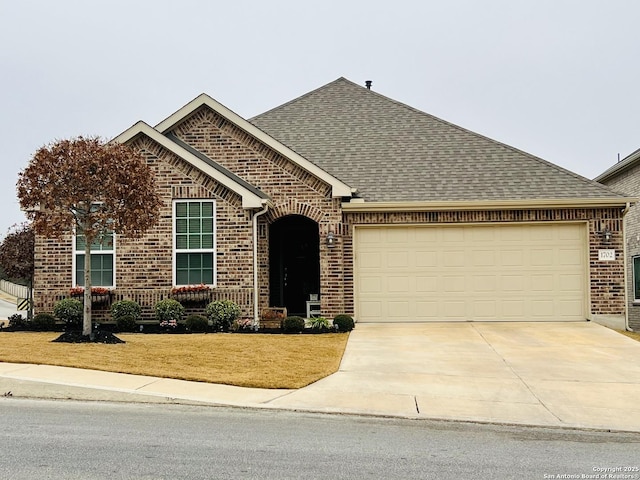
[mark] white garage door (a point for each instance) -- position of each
(501, 272)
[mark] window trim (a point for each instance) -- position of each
(77, 252)
(175, 250)
(636, 300)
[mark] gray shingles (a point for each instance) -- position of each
(393, 152)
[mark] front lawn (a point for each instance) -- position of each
(246, 360)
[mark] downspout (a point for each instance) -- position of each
(256, 317)
(624, 255)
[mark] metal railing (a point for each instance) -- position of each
(14, 289)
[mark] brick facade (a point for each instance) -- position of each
(628, 183)
(144, 267)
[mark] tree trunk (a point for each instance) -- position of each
(86, 322)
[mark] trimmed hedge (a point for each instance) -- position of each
(344, 323)
(293, 324)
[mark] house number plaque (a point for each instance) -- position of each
(606, 255)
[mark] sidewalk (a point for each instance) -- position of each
(575, 375)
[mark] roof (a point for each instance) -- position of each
(392, 152)
(622, 166)
(338, 188)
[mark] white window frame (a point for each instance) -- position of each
(212, 250)
(77, 252)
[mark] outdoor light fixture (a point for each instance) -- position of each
(331, 240)
(606, 235)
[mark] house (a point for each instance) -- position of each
(346, 201)
(624, 177)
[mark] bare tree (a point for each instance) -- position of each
(90, 188)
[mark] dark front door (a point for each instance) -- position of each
(294, 262)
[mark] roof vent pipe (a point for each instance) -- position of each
(367, 83)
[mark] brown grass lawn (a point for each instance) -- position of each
(246, 360)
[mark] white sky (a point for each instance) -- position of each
(556, 78)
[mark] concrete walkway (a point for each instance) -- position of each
(572, 375)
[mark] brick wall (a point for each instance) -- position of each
(628, 183)
(292, 190)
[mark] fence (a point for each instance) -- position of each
(14, 289)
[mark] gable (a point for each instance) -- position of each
(251, 197)
(338, 188)
(393, 153)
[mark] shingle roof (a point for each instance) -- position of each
(392, 152)
(623, 165)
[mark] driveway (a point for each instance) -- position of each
(558, 374)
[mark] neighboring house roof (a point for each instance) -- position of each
(339, 188)
(623, 165)
(251, 196)
(394, 153)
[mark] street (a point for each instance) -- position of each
(7, 309)
(94, 440)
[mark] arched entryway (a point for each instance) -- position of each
(294, 263)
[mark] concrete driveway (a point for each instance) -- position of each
(555, 374)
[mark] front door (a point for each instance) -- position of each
(294, 262)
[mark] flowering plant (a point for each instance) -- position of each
(77, 290)
(169, 324)
(242, 325)
(191, 288)
(273, 313)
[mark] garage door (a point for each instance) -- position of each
(460, 273)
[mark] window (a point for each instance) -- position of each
(194, 242)
(102, 257)
(636, 279)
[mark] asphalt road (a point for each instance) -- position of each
(93, 440)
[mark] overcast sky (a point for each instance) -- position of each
(556, 78)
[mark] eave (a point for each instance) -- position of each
(529, 204)
(624, 164)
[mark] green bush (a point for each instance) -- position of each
(70, 311)
(126, 308)
(126, 323)
(319, 323)
(169, 309)
(344, 323)
(222, 313)
(44, 322)
(197, 323)
(293, 324)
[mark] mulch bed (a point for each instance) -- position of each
(99, 336)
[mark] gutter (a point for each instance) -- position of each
(265, 208)
(359, 205)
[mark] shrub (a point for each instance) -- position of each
(44, 322)
(126, 323)
(343, 322)
(319, 323)
(169, 309)
(70, 311)
(222, 313)
(17, 322)
(126, 308)
(197, 323)
(293, 324)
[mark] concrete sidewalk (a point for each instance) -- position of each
(571, 375)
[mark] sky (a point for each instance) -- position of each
(555, 78)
